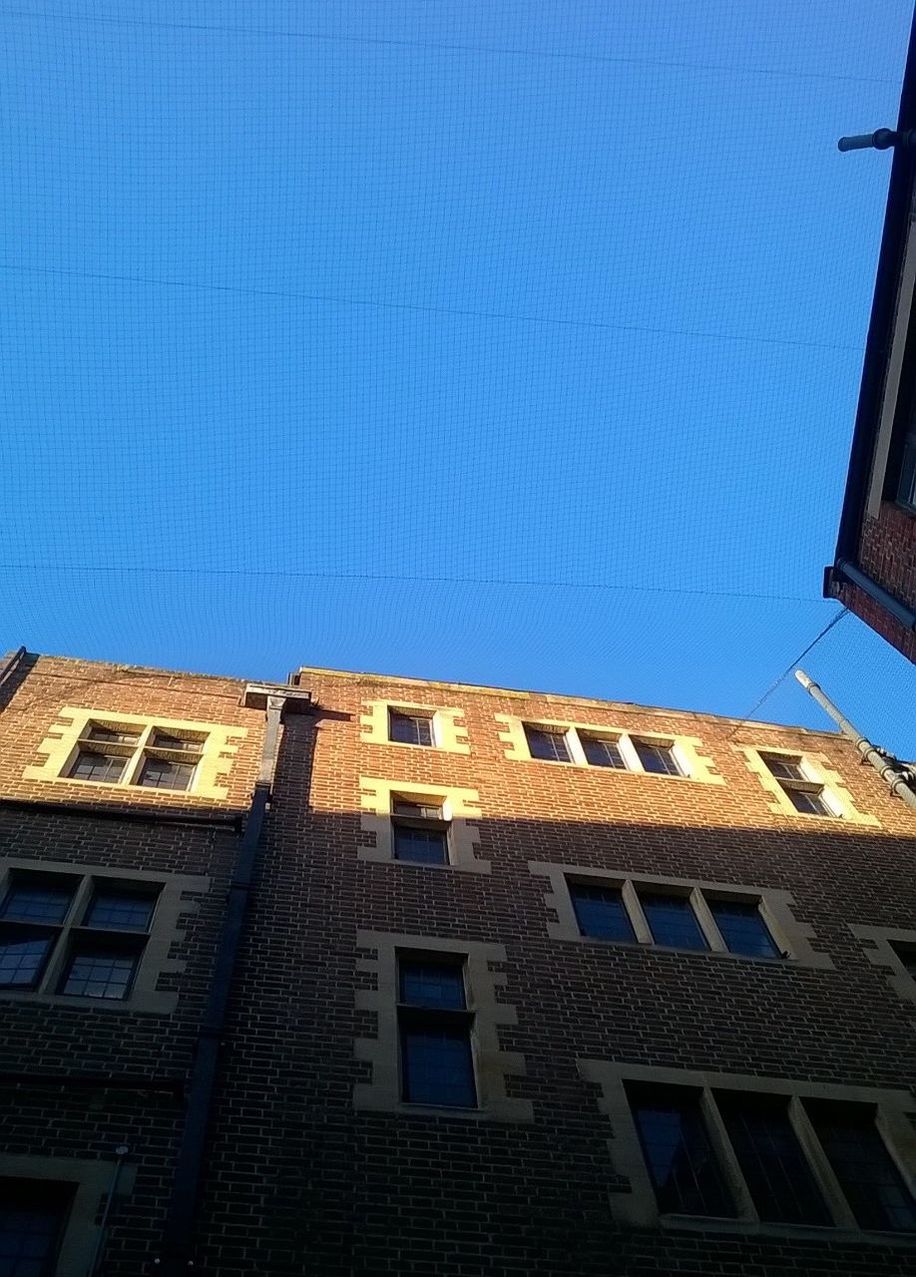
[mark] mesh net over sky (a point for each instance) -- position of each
(514, 343)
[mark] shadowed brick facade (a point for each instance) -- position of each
(315, 1161)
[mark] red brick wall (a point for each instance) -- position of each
(887, 553)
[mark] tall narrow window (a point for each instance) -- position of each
(774, 1166)
(657, 758)
(682, 1164)
(437, 1064)
(867, 1174)
(743, 928)
(420, 833)
(547, 744)
(30, 918)
(600, 912)
(100, 968)
(602, 751)
(805, 795)
(672, 921)
(32, 1218)
(410, 729)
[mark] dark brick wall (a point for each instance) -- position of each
(887, 553)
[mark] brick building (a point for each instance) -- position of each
(523, 984)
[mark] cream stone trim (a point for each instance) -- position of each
(92, 1181)
(883, 954)
(792, 937)
(175, 899)
(60, 745)
(636, 1204)
(460, 807)
(694, 764)
(817, 768)
(448, 733)
(492, 1065)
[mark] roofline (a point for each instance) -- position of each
(881, 321)
(557, 697)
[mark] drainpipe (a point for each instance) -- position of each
(890, 769)
(180, 1218)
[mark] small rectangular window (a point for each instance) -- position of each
(601, 751)
(417, 811)
(866, 1172)
(24, 952)
(600, 912)
(809, 801)
(672, 921)
(657, 758)
(99, 971)
(422, 846)
(437, 1065)
(32, 899)
(119, 909)
(92, 764)
(410, 729)
(805, 795)
(546, 744)
(774, 1166)
(112, 735)
(743, 928)
(32, 1218)
(165, 773)
(682, 1164)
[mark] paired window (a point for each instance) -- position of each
(33, 1214)
(557, 744)
(114, 753)
(435, 1026)
(690, 1135)
(691, 919)
(419, 832)
(806, 794)
(64, 934)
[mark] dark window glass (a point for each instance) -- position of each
(743, 929)
(120, 910)
(682, 1165)
(164, 740)
(808, 800)
(865, 1169)
(23, 954)
(164, 773)
(92, 765)
(410, 729)
(417, 811)
(784, 768)
(99, 973)
(32, 1215)
(548, 745)
(432, 984)
(114, 735)
(601, 752)
(906, 488)
(775, 1168)
(672, 921)
(907, 956)
(657, 758)
(600, 912)
(28, 901)
(422, 846)
(437, 1065)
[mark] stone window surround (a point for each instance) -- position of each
(449, 735)
(154, 959)
(695, 765)
(639, 1207)
(883, 954)
(792, 937)
(61, 747)
(491, 1064)
(817, 768)
(92, 1180)
(460, 807)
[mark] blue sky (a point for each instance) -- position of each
(509, 342)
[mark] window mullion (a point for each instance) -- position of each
(132, 771)
(722, 1147)
(574, 745)
(630, 756)
(633, 906)
(820, 1166)
(708, 924)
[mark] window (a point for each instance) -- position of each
(600, 912)
(30, 916)
(775, 1169)
(114, 754)
(32, 1218)
(420, 833)
(657, 758)
(99, 970)
(806, 795)
(673, 922)
(602, 751)
(437, 1064)
(907, 955)
(548, 745)
(906, 484)
(870, 1181)
(742, 928)
(684, 1170)
(410, 729)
